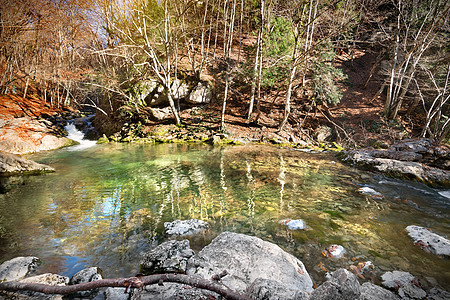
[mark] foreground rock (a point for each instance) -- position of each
(11, 164)
(86, 275)
(17, 268)
(48, 279)
(429, 241)
(342, 285)
(185, 227)
(247, 259)
(169, 257)
(419, 160)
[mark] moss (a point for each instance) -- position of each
(103, 140)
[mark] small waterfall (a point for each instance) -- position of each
(74, 134)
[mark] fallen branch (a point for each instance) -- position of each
(132, 282)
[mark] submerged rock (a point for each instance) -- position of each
(294, 224)
(11, 164)
(185, 227)
(334, 251)
(169, 257)
(429, 241)
(342, 285)
(18, 268)
(371, 192)
(247, 259)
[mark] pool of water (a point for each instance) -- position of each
(106, 205)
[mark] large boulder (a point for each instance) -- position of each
(11, 164)
(18, 268)
(169, 257)
(396, 279)
(268, 289)
(342, 285)
(429, 241)
(247, 259)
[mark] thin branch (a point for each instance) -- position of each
(132, 282)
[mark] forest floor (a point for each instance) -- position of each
(356, 120)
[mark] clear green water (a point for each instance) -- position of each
(105, 206)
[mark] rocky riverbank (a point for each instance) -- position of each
(419, 160)
(254, 268)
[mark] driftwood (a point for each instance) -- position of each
(132, 282)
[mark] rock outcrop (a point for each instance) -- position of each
(419, 160)
(27, 135)
(11, 164)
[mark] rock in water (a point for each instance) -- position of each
(11, 164)
(169, 257)
(17, 268)
(47, 278)
(186, 227)
(429, 241)
(370, 291)
(246, 259)
(342, 285)
(396, 279)
(294, 224)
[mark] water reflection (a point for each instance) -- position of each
(107, 205)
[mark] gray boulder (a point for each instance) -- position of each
(169, 257)
(267, 289)
(438, 294)
(173, 291)
(342, 285)
(185, 227)
(11, 164)
(370, 291)
(116, 294)
(396, 279)
(246, 259)
(179, 89)
(86, 275)
(411, 291)
(18, 268)
(429, 241)
(201, 94)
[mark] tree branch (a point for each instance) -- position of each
(132, 282)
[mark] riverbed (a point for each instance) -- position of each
(106, 205)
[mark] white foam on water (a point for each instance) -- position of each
(74, 134)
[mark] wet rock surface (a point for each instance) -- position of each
(419, 160)
(11, 164)
(429, 241)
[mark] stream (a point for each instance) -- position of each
(106, 205)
